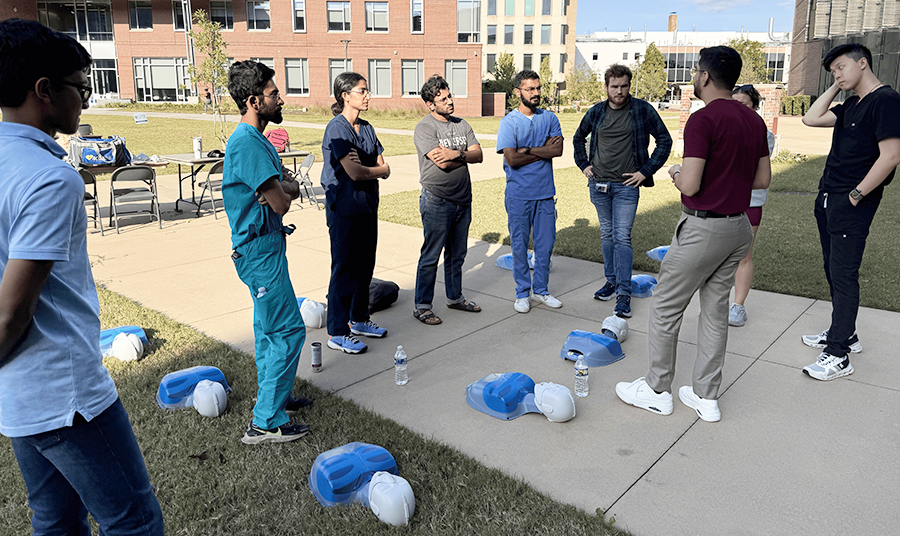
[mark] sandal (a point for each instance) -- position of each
(466, 305)
(426, 316)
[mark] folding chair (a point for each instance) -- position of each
(85, 130)
(91, 197)
(143, 180)
(306, 183)
(212, 184)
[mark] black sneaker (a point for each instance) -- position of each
(284, 433)
(294, 405)
(623, 306)
(606, 293)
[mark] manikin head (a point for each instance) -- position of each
(210, 399)
(391, 498)
(851, 65)
(555, 401)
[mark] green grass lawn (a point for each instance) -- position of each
(210, 483)
(787, 255)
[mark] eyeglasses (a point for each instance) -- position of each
(743, 89)
(274, 95)
(361, 91)
(695, 70)
(84, 91)
(529, 89)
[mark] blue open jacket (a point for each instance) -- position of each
(645, 121)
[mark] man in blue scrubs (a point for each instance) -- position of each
(58, 405)
(257, 195)
(529, 139)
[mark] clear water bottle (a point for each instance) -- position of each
(581, 377)
(400, 375)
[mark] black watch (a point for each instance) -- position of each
(462, 156)
(856, 195)
(528, 150)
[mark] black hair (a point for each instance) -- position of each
(617, 71)
(854, 51)
(30, 51)
(723, 64)
(751, 92)
(527, 74)
(344, 83)
(246, 78)
(433, 87)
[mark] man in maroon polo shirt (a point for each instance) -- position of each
(726, 155)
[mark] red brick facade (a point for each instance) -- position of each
(806, 54)
(21, 9)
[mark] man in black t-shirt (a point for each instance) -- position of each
(865, 150)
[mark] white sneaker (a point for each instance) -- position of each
(737, 315)
(821, 341)
(706, 409)
(639, 394)
(829, 367)
(522, 305)
(547, 300)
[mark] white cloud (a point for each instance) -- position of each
(718, 6)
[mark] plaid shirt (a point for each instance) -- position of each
(645, 121)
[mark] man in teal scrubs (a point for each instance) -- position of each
(257, 195)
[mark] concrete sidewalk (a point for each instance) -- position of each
(790, 456)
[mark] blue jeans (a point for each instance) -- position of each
(94, 467)
(616, 209)
(446, 226)
(523, 216)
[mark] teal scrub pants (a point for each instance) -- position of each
(278, 328)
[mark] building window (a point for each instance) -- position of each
(526, 62)
(258, 16)
(637, 56)
(563, 30)
(545, 34)
(594, 56)
(380, 78)
(178, 14)
(336, 67)
(492, 34)
(300, 16)
(562, 62)
(413, 72)
(161, 79)
(565, 7)
(529, 34)
(510, 8)
(492, 7)
(338, 16)
(775, 66)
(377, 17)
(529, 8)
(455, 75)
(508, 34)
(545, 9)
(624, 55)
(103, 73)
(416, 9)
(296, 76)
(140, 15)
(221, 11)
(491, 62)
(268, 62)
(79, 20)
(468, 21)
(544, 57)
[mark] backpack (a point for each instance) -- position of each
(279, 138)
(382, 294)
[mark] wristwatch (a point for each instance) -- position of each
(528, 150)
(856, 195)
(462, 156)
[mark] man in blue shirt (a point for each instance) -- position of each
(529, 139)
(58, 405)
(619, 129)
(257, 194)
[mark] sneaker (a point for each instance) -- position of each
(294, 405)
(737, 315)
(347, 344)
(706, 409)
(547, 300)
(522, 305)
(282, 434)
(821, 341)
(367, 329)
(606, 293)
(829, 367)
(623, 306)
(639, 394)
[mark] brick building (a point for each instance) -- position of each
(141, 51)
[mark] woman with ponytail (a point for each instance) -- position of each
(352, 166)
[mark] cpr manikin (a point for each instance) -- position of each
(512, 394)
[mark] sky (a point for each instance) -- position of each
(701, 15)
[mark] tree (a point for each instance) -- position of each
(548, 87)
(583, 86)
(650, 75)
(753, 56)
(212, 72)
(504, 73)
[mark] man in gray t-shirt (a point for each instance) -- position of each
(445, 145)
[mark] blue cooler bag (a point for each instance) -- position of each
(96, 151)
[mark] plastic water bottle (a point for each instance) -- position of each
(400, 375)
(581, 377)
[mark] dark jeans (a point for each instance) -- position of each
(843, 229)
(353, 242)
(93, 467)
(446, 226)
(616, 209)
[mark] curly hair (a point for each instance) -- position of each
(246, 78)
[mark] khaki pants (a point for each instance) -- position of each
(704, 256)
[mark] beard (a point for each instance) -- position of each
(532, 103)
(273, 116)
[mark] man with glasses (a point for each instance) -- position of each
(619, 129)
(257, 193)
(530, 138)
(726, 155)
(58, 404)
(865, 151)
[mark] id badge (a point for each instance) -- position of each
(602, 187)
